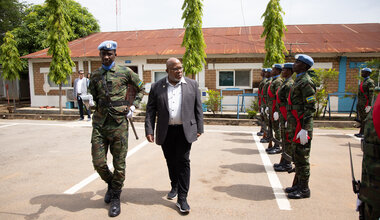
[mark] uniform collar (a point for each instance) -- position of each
(300, 74)
(107, 68)
(366, 78)
(275, 77)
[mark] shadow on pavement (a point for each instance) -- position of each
(242, 151)
(71, 203)
(248, 192)
(239, 134)
(242, 141)
(353, 145)
(245, 167)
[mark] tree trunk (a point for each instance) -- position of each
(60, 99)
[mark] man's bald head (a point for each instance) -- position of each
(171, 61)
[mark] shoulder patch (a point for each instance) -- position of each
(310, 99)
(140, 84)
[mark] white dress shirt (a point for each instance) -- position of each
(175, 102)
(79, 85)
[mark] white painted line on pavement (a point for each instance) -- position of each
(94, 176)
(7, 125)
(282, 200)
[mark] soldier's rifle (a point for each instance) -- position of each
(356, 187)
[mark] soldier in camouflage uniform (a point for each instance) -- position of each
(281, 101)
(260, 96)
(365, 97)
(109, 86)
(265, 109)
(369, 192)
(301, 107)
(272, 90)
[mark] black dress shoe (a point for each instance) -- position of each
(260, 133)
(359, 135)
(269, 149)
(283, 167)
(172, 194)
(183, 206)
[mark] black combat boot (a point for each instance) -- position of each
(107, 197)
(278, 164)
(284, 167)
(115, 203)
(294, 186)
(275, 150)
(303, 191)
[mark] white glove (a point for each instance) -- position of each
(267, 111)
(275, 116)
(286, 124)
(262, 110)
(131, 110)
(367, 109)
(302, 135)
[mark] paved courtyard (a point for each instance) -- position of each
(47, 174)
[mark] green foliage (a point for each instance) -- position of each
(193, 40)
(11, 15)
(32, 35)
(320, 77)
(213, 101)
(10, 58)
(374, 64)
(253, 108)
(274, 32)
(58, 34)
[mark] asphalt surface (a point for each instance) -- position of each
(47, 174)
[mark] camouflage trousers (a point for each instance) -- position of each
(113, 136)
(301, 160)
(361, 113)
(288, 147)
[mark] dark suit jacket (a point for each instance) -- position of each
(192, 114)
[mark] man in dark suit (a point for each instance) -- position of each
(177, 103)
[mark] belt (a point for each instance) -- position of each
(114, 103)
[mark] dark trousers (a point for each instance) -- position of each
(177, 152)
(80, 106)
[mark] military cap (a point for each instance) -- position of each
(269, 69)
(107, 45)
(305, 59)
(367, 69)
(278, 66)
(264, 69)
(288, 66)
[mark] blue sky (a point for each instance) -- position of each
(153, 14)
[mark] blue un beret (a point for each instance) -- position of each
(367, 69)
(264, 69)
(288, 66)
(278, 66)
(107, 45)
(269, 69)
(305, 59)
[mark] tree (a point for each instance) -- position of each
(193, 40)
(58, 35)
(10, 60)
(274, 32)
(31, 35)
(11, 15)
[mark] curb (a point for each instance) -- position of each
(206, 120)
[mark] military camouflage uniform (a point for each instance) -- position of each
(267, 104)
(301, 106)
(282, 100)
(369, 192)
(273, 87)
(110, 127)
(365, 97)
